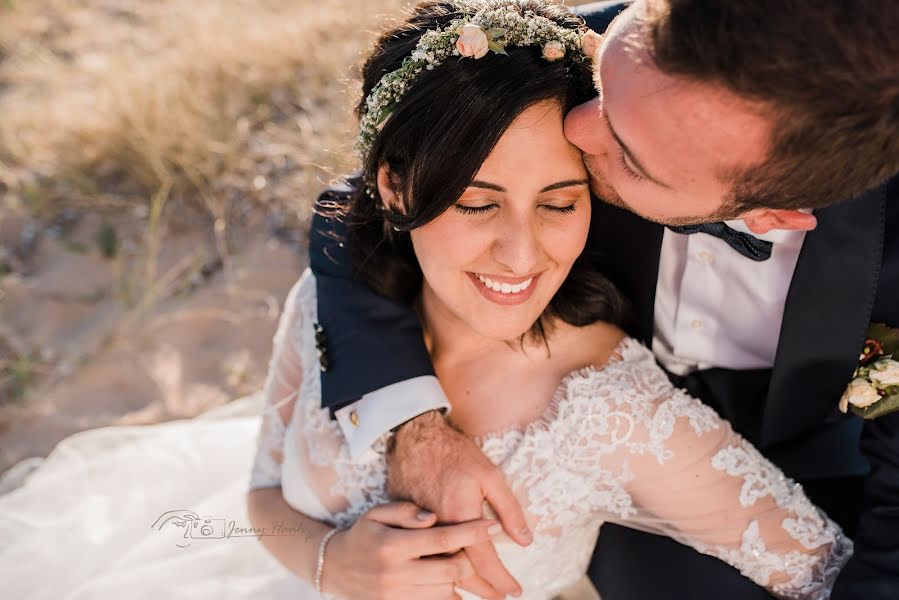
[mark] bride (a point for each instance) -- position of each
(473, 208)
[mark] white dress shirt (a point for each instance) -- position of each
(717, 308)
(713, 308)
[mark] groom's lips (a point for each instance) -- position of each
(506, 299)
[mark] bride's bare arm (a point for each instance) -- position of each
(297, 550)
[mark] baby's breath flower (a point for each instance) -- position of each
(472, 37)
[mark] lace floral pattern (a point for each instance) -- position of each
(805, 524)
(617, 443)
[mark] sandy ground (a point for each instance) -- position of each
(202, 347)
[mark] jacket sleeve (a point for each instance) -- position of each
(873, 571)
(368, 341)
(598, 15)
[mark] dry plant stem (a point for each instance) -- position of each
(157, 204)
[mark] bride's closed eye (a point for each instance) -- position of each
(480, 210)
(565, 210)
(474, 210)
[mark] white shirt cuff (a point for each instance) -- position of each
(378, 412)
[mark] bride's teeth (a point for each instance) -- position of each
(505, 288)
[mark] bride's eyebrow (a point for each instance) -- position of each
(486, 185)
(564, 184)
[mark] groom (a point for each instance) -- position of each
(778, 124)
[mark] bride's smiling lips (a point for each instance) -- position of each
(507, 291)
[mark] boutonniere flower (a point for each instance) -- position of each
(874, 389)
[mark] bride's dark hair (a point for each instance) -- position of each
(436, 139)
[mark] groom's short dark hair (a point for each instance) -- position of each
(826, 71)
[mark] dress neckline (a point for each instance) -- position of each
(626, 349)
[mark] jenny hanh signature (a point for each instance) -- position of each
(207, 528)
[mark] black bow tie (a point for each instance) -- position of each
(749, 246)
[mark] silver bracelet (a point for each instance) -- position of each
(320, 567)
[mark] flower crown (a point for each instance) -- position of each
(488, 28)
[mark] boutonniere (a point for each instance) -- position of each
(874, 389)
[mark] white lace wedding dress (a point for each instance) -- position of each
(615, 444)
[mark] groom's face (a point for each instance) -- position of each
(664, 147)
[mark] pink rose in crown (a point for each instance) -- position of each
(553, 50)
(472, 41)
(590, 43)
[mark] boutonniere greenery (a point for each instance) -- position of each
(874, 389)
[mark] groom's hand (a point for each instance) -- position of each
(439, 468)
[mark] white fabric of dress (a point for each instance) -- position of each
(616, 444)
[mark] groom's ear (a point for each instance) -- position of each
(763, 220)
(389, 189)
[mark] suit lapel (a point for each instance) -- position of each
(826, 315)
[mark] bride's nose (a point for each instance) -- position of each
(517, 245)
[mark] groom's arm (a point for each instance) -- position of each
(375, 371)
(873, 571)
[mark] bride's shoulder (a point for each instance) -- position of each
(303, 289)
(599, 344)
(300, 300)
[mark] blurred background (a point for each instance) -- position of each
(158, 162)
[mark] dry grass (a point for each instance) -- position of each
(165, 98)
(165, 115)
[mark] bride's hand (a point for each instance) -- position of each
(441, 469)
(392, 552)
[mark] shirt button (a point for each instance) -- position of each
(706, 257)
(354, 418)
(696, 324)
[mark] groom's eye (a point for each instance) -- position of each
(474, 210)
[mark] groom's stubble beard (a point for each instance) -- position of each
(600, 186)
(604, 191)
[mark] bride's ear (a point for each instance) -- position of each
(388, 189)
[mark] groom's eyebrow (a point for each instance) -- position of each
(633, 159)
(486, 185)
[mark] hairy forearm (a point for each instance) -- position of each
(291, 537)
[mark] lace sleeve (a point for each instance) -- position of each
(285, 372)
(670, 465)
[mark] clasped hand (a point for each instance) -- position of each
(440, 469)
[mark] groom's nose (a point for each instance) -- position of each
(584, 128)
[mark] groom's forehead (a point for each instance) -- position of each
(623, 34)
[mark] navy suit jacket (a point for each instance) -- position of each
(847, 276)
